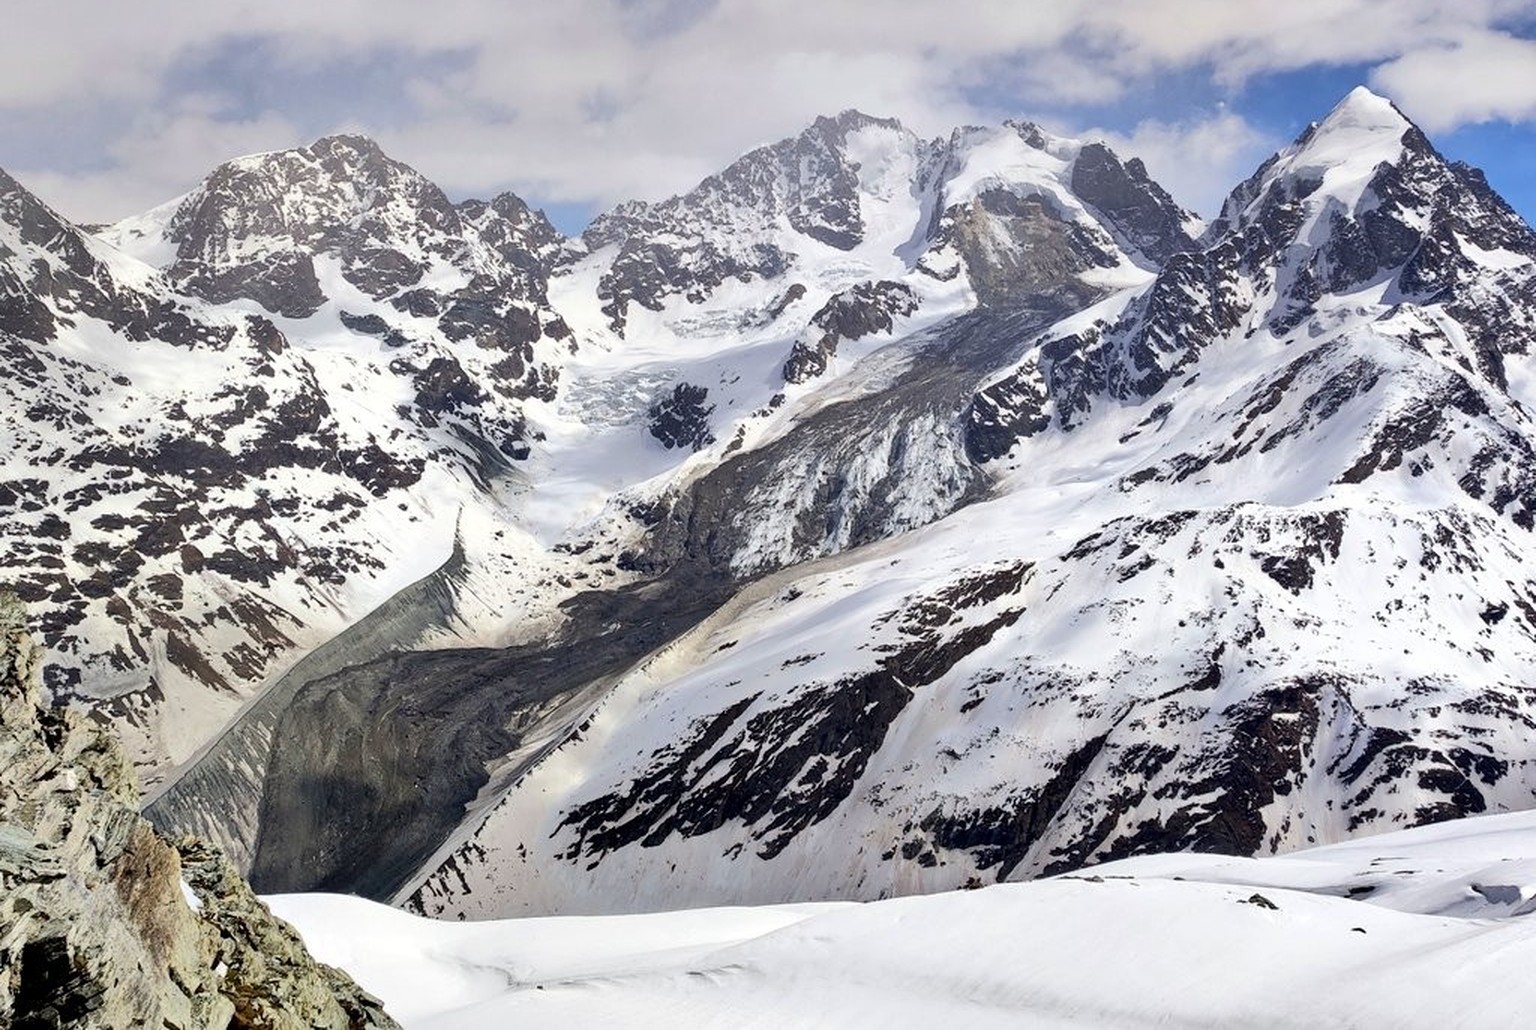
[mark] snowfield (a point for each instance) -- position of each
(1419, 928)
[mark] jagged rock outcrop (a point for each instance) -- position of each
(681, 419)
(105, 924)
(723, 228)
(1022, 247)
(865, 309)
(1137, 207)
(1361, 200)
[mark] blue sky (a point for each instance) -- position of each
(107, 109)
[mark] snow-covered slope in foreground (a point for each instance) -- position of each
(1424, 927)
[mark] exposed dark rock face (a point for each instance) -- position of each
(1043, 256)
(521, 235)
(835, 729)
(781, 769)
(1001, 836)
(1016, 243)
(1141, 212)
(94, 928)
(61, 276)
(1006, 411)
(866, 309)
(1407, 231)
(689, 245)
(346, 184)
(1192, 303)
(284, 284)
(681, 419)
(257, 226)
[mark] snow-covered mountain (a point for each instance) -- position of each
(1251, 574)
(228, 458)
(679, 461)
(880, 516)
(1017, 211)
(726, 312)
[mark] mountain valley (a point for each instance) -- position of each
(883, 516)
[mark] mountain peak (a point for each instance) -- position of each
(1344, 150)
(1333, 161)
(851, 120)
(344, 145)
(340, 156)
(1364, 111)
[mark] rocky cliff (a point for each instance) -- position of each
(103, 922)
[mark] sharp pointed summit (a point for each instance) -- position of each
(1330, 165)
(1361, 108)
(1362, 132)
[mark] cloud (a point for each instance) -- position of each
(592, 101)
(1240, 40)
(1479, 78)
(151, 165)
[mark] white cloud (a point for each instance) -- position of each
(1239, 40)
(596, 100)
(1479, 78)
(162, 159)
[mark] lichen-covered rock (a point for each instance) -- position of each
(95, 930)
(269, 977)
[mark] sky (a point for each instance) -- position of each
(108, 108)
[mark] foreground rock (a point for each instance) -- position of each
(103, 923)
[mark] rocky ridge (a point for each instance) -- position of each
(1361, 204)
(1014, 211)
(199, 482)
(104, 923)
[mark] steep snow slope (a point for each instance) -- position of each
(1254, 575)
(1421, 928)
